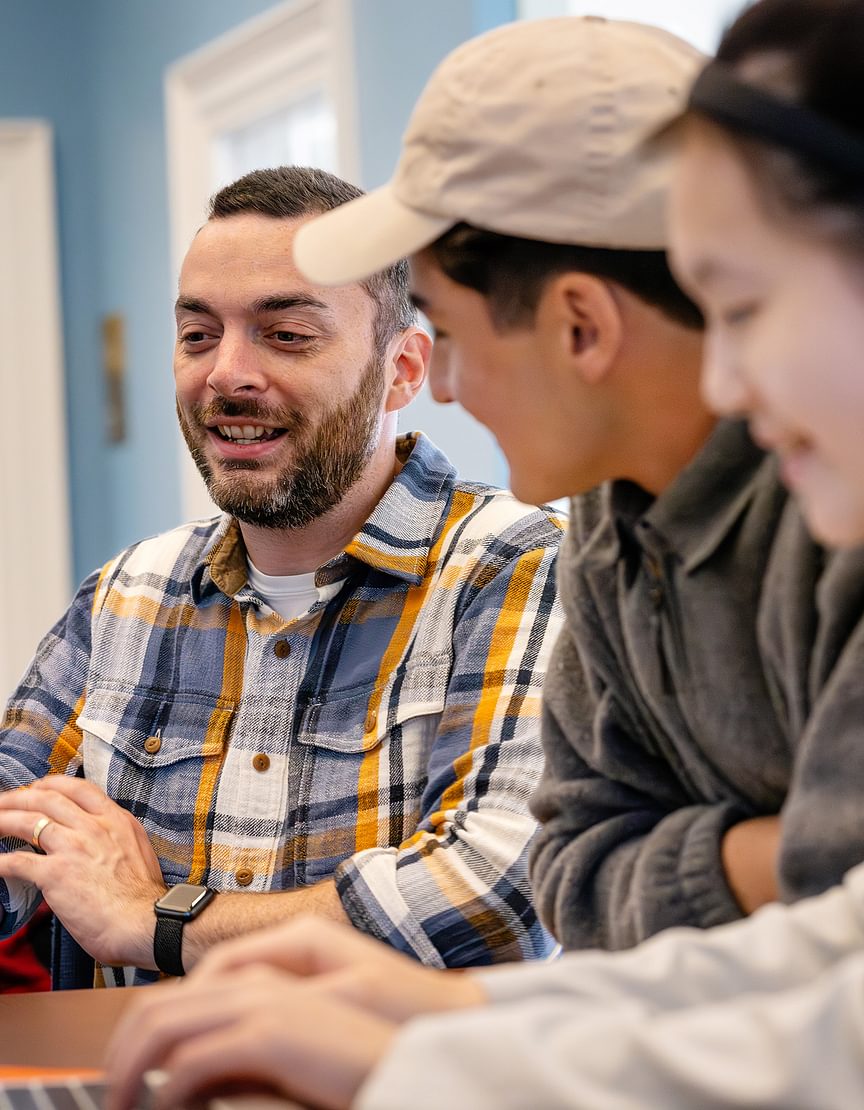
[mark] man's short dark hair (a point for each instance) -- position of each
(512, 272)
(291, 192)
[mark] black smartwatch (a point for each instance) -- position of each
(179, 904)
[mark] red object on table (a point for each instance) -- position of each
(25, 956)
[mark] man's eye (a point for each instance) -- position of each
(192, 337)
(292, 337)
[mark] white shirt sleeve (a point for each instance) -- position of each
(776, 948)
(767, 1012)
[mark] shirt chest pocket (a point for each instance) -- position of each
(365, 758)
(151, 753)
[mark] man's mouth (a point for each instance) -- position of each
(245, 434)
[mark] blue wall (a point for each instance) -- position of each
(94, 69)
(45, 72)
(397, 45)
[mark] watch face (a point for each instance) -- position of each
(183, 898)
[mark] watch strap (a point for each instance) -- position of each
(168, 945)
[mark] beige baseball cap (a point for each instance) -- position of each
(536, 129)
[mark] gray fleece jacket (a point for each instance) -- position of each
(711, 669)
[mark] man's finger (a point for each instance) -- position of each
(86, 795)
(38, 803)
(29, 867)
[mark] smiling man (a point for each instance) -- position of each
(325, 699)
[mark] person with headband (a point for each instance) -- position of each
(774, 253)
(764, 1012)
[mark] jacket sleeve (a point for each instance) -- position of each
(816, 657)
(39, 734)
(456, 893)
(766, 1012)
(622, 852)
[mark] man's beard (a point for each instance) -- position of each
(329, 458)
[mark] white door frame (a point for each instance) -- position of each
(35, 562)
(235, 80)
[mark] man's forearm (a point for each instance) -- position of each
(749, 853)
(232, 915)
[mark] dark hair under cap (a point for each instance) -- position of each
(723, 97)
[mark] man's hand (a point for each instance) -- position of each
(255, 1025)
(345, 965)
(99, 873)
(749, 853)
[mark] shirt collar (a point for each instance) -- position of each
(398, 536)
(396, 539)
(697, 511)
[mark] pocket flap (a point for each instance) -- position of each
(356, 721)
(154, 729)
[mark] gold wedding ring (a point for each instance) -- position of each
(40, 827)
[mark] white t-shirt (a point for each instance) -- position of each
(289, 595)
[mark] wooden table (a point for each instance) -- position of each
(62, 1029)
(71, 1029)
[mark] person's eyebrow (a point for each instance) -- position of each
(279, 302)
(191, 304)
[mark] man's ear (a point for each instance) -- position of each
(585, 317)
(407, 362)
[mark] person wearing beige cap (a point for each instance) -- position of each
(682, 710)
(669, 719)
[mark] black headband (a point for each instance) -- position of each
(722, 96)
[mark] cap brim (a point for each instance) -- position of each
(362, 237)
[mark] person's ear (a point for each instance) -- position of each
(407, 361)
(586, 318)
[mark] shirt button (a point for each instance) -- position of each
(282, 649)
(371, 721)
(152, 745)
(261, 762)
(244, 876)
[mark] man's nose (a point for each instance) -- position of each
(237, 368)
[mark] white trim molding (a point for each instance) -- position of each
(253, 71)
(35, 559)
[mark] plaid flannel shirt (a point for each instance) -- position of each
(388, 739)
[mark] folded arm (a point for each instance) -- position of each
(39, 733)
(623, 851)
(456, 892)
